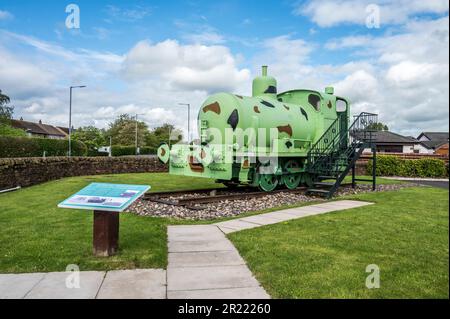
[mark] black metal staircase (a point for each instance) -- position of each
(336, 152)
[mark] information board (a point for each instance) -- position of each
(105, 197)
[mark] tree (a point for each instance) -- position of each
(123, 131)
(6, 112)
(379, 126)
(92, 137)
(162, 134)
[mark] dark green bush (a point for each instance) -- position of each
(34, 147)
(395, 166)
(123, 150)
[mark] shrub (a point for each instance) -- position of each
(123, 150)
(7, 130)
(394, 166)
(35, 147)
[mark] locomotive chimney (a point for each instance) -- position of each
(264, 85)
(264, 70)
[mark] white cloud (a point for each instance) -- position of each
(406, 73)
(188, 67)
(403, 76)
(207, 37)
(20, 77)
(5, 15)
(410, 70)
(150, 80)
(360, 85)
(129, 14)
(327, 13)
(348, 42)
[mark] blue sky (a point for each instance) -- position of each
(146, 56)
(111, 26)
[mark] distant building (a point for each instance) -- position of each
(40, 129)
(435, 142)
(390, 142)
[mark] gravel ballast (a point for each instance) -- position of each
(231, 208)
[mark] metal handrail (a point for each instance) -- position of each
(357, 133)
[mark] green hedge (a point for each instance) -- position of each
(394, 166)
(123, 150)
(34, 147)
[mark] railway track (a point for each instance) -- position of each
(206, 196)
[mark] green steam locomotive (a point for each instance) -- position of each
(263, 140)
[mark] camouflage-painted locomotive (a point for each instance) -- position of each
(299, 117)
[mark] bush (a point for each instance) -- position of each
(35, 147)
(394, 166)
(121, 150)
(8, 130)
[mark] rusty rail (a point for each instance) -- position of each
(189, 202)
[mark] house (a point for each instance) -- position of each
(435, 142)
(40, 129)
(390, 142)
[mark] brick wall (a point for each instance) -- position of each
(31, 171)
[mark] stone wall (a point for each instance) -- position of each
(31, 171)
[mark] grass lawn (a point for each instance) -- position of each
(405, 233)
(37, 236)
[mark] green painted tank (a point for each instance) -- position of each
(298, 117)
(263, 110)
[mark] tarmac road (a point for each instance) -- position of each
(439, 184)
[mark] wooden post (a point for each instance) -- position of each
(106, 233)
(374, 168)
(353, 176)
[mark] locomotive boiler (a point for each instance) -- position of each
(261, 140)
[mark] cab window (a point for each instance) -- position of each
(314, 100)
(341, 105)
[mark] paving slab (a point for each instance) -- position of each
(134, 284)
(192, 233)
(195, 278)
(260, 220)
(279, 215)
(354, 203)
(315, 208)
(227, 230)
(16, 286)
(303, 212)
(53, 286)
(200, 245)
(205, 259)
(328, 207)
(230, 293)
(237, 224)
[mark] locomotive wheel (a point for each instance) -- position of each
(309, 179)
(291, 180)
(268, 182)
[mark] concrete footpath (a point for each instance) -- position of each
(202, 264)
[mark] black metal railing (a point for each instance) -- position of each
(333, 152)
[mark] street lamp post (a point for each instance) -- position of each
(189, 119)
(136, 138)
(70, 116)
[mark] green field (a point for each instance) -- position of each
(405, 233)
